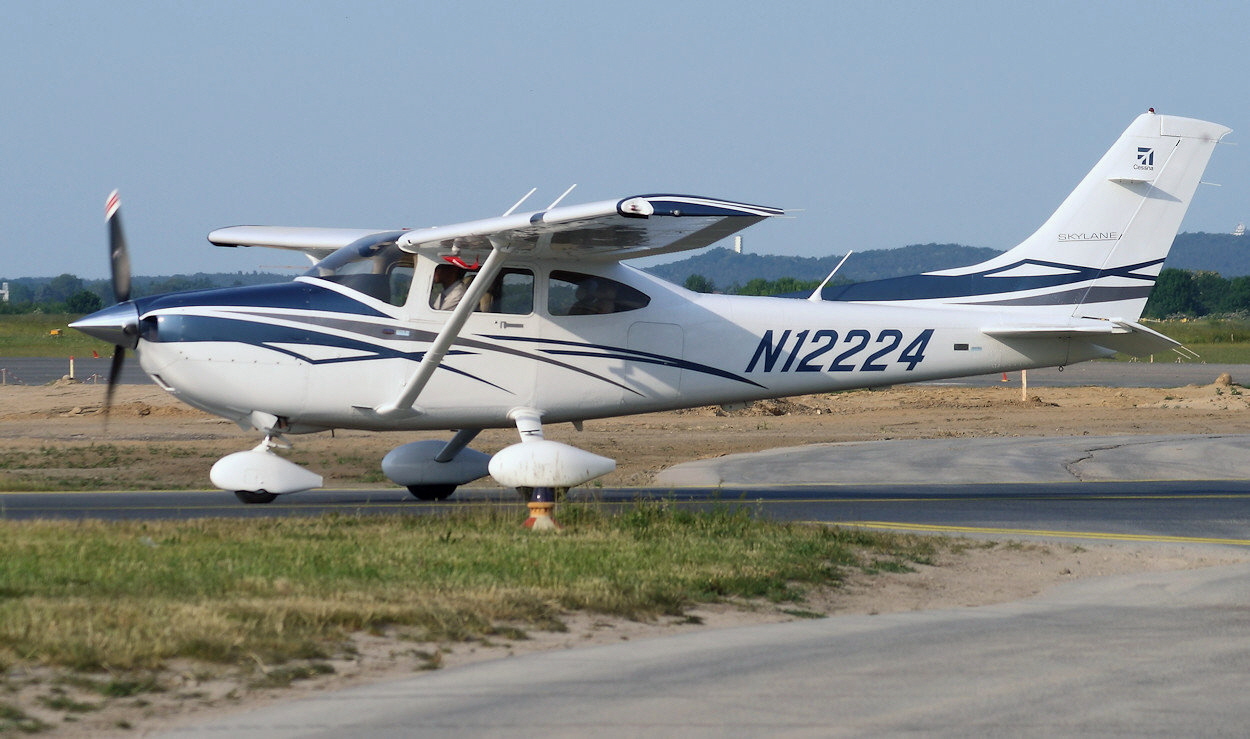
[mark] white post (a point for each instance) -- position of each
(71, 368)
(1024, 385)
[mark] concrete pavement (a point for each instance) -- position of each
(1007, 459)
(1139, 655)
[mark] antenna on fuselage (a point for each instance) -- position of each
(815, 296)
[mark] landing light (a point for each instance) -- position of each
(637, 207)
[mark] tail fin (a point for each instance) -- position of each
(1099, 254)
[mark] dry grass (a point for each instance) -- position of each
(130, 596)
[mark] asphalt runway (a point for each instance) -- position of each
(43, 370)
(1200, 512)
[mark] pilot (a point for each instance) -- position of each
(451, 278)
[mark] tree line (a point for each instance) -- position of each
(67, 293)
(1182, 293)
(1178, 293)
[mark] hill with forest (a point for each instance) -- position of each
(1225, 254)
(727, 269)
(1196, 252)
(719, 270)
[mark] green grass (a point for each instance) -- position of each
(130, 596)
(95, 466)
(1215, 340)
(14, 720)
(29, 335)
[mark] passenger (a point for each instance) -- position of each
(594, 297)
(451, 278)
(605, 298)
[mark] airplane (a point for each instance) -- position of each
(551, 327)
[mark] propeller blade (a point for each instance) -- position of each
(115, 369)
(119, 256)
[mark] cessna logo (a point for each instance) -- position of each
(1145, 158)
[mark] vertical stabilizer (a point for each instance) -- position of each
(1099, 254)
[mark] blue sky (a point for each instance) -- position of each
(886, 123)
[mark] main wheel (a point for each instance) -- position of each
(527, 494)
(431, 492)
(253, 497)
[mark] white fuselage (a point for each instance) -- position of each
(316, 368)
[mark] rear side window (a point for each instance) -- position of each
(576, 294)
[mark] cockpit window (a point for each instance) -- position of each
(379, 269)
(576, 294)
(511, 292)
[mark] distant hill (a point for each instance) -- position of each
(726, 269)
(1205, 252)
(1223, 253)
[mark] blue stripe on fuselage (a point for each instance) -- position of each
(938, 287)
(297, 295)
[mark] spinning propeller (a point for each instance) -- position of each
(118, 324)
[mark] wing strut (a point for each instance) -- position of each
(434, 355)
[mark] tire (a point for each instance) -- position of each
(255, 497)
(431, 492)
(527, 494)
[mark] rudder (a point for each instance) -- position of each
(1101, 250)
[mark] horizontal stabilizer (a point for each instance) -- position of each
(1127, 337)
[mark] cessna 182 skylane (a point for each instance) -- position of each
(553, 328)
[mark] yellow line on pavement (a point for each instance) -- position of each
(918, 527)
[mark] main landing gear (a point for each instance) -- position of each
(432, 469)
(538, 467)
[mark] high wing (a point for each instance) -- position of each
(317, 243)
(638, 226)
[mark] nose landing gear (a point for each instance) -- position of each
(260, 476)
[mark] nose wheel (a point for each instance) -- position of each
(254, 497)
(258, 476)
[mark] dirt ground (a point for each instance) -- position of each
(154, 442)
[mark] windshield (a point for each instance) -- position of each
(374, 266)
